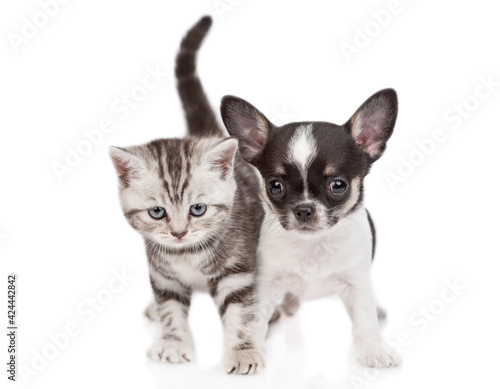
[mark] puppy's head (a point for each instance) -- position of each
(312, 172)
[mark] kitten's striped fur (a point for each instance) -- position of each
(216, 251)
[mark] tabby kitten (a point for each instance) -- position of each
(196, 203)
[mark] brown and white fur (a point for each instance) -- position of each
(317, 237)
(196, 203)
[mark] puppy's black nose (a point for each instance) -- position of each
(304, 212)
(179, 235)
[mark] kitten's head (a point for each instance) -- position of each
(312, 172)
(177, 192)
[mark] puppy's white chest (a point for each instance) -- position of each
(314, 265)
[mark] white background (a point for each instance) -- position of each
(64, 238)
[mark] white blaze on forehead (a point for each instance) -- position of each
(302, 148)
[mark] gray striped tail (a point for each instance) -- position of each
(200, 117)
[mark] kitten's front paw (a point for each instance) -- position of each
(378, 355)
(171, 351)
(243, 362)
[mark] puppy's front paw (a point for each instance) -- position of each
(243, 362)
(151, 312)
(378, 354)
(291, 304)
(171, 351)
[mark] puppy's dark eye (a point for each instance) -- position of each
(157, 212)
(338, 186)
(275, 187)
(198, 209)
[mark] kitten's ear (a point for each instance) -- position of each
(126, 164)
(372, 124)
(244, 122)
(221, 157)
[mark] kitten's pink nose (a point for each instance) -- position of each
(179, 235)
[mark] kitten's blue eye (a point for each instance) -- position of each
(157, 212)
(198, 209)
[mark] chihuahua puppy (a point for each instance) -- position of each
(317, 238)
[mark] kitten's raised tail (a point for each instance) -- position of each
(200, 117)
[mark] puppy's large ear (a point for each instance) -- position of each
(372, 124)
(244, 122)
